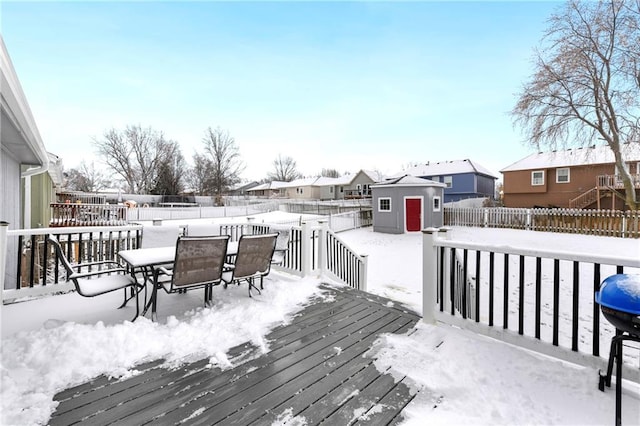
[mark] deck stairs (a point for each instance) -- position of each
(585, 199)
(591, 196)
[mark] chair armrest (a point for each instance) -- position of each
(96, 273)
(90, 264)
(163, 270)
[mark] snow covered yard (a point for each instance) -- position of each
(463, 378)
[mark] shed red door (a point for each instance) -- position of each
(413, 214)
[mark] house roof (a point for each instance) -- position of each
(18, 131)
(329, 181)
(268, 185)
(600, 154)
(408, 180)
(243, 186)
(300, 182)
(441, 168)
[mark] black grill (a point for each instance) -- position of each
(619, 300)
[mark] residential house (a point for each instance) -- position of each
(322, 188)
(357, 185)
(348, 186)
(43, 192)
(29, 172)
(463, 179)
(242, 189)
(268, 189)
(573, 178)
(302, 189)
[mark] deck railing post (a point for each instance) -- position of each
(445, 234)
(429, 274)
(363, 272)
(306, 247)
(4, 227)
(322, 246)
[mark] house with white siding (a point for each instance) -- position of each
(30, 175)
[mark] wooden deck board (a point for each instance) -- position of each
(314, 368)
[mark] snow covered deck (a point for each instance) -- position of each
(315, 370)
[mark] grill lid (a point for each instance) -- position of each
(620, 292)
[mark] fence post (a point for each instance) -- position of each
(486, 217)
(4, 226)
(429, 274)
(322, 246)
(306, 247)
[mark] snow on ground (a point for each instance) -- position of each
(56, 342)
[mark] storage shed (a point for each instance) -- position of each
(407, 204)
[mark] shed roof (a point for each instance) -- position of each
(600, 154)
(408, 180)
(447, 168)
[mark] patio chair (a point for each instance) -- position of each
(99, 277)
(159, 236)
(202, 230)
(198, 263)
(252, 261)
(282, 243)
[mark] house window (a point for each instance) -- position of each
(537, 178)
(331, 189)
(436, 204)
(448, 180)
(562, 175)
(384, 204)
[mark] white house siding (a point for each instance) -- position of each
(10, 191)
(10, 198)
(327, 192)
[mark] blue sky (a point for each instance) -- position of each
(344, 85)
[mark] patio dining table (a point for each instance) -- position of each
(144, 260)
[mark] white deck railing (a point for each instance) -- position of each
(536, 298)
(29, 268)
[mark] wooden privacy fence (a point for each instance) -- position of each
(611, 223)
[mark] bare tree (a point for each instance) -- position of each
(200, 177)
(85, 178)
(378, 176)
(134, 154)
(586, 84)
(333, 173)
(225, 160)
(170, 176)
(284, 169)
